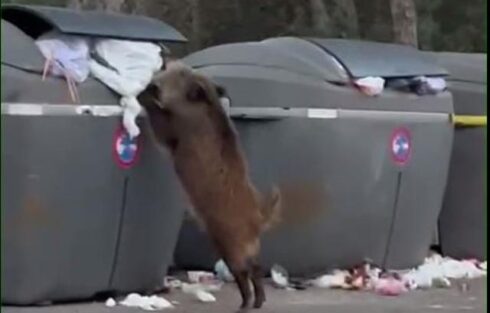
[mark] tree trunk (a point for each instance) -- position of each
(404, 18)
(319, 16)
(196, 25)
(105, 5)
(348, 21)
(375, 20)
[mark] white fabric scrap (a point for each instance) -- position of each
(204, 296)
(152, 303)
(134, 64)
(202, 292)
(371, 86)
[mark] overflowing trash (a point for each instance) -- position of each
(125, 66)
(66, 56)
(371, 86)
(420, 85)
(129, 68)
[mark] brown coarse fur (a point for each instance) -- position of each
(187, 118)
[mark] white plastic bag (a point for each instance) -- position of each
(371, 86)
(147, 303)
(222, 271)
(133, 65)
(69, 55)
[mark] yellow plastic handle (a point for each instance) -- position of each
(469, 120)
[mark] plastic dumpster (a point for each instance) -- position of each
(349, 193)
(462, 222)
(76, 219)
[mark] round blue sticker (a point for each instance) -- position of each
(126, 150)
(401, 146)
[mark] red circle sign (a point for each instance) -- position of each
(126, 150)
(401, 146)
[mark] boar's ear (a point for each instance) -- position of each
(221, 91)
(151, 94)
(153, 87)
(196, 92)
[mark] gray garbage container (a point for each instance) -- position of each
(462, 222)
(79, 217)
(348, 195)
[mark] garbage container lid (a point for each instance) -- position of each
(333, 60)
(19, 50)
(92, 23)
(467, 67)
(366, 58)
(259, 54)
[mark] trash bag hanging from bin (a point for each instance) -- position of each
(66, 36)
(131, 68)
(124, 66)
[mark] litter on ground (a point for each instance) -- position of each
(201, 291)
(435, 272)
(110, 303)
(204, 296)
(200, 277)
(279, 276)
(147, 303)
(193, 288)
(222, 272)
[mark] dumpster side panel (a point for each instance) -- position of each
(336, 184)
(61, 199)
(422, 185)
(152, 218)
(462, 222)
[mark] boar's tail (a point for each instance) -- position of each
(271, 209)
